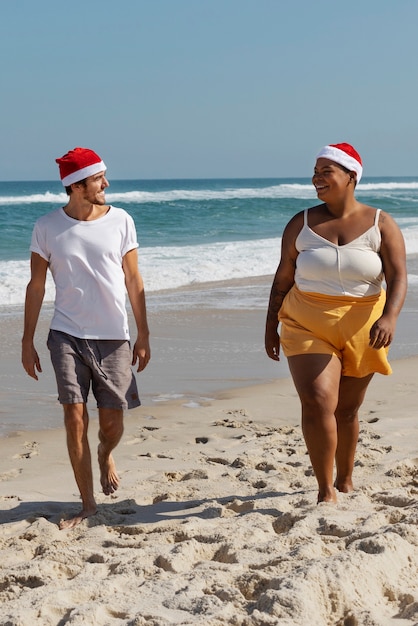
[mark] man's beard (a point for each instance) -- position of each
(97, 198)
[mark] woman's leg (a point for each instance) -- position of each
(351, 396)
(317, 381)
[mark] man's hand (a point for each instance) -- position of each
(30, 360)
(141, 354)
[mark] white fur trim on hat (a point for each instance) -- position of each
(75, 177)
(341, 157)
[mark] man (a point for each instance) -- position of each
(91, 251)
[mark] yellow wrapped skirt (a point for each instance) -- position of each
(313, 323)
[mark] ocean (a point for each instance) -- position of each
(194, 232)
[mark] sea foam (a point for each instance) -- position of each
(285, 190)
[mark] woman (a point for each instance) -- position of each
(337, 322)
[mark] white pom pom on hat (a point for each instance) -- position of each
(78, 164)
(345, 155)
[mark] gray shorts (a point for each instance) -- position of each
(103, 364)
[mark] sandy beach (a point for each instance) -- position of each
(215, 522)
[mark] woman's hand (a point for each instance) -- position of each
(272, 343)
(382, 332)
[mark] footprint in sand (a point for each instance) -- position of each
(217, 459)
(32, 450)
(239, 506)
(10, 474)
(232, 423)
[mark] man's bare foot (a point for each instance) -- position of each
(108, 476)
(65, 524)
(328, 495)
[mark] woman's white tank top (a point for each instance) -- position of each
(353, 269)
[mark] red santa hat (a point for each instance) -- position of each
(345, 155)
(78, 164)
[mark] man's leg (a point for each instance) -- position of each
(76, 421)
(110, 433)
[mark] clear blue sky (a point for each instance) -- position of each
(207, 88)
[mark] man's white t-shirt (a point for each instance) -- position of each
(85, 259)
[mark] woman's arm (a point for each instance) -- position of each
(393, 254)
(282, 283)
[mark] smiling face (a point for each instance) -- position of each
(93, 188)
(331, 180)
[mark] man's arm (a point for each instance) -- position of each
(136, 293)
(35, 292)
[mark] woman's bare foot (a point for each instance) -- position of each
(108, 476)
(345, 486)
(74, 521)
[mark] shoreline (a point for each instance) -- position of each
(271, 390)
(197, 352)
